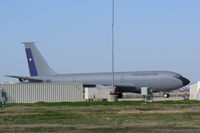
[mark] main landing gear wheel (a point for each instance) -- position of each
(120, 95)
(166, 95)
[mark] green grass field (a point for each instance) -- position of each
(126, 116)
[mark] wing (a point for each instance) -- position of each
(121, 87)
(125, 87)
(22, 78)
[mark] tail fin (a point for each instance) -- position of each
(37, 65)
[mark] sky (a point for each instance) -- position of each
(75, 36)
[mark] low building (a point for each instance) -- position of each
(195, 91)
(97, 93)
(42, 92)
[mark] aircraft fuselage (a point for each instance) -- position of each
(130, 81)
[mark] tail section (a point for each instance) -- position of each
(37, 65)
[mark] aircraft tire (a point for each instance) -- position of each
(120, 95)
(166, 95)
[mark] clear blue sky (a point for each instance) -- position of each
(75, 35)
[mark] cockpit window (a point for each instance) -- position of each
(177, 76)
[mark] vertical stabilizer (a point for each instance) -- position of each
(37, 65)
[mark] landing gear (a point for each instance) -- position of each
(166, 95)
(120, 95)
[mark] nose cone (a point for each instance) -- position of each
(184, 80)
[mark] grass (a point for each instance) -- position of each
(123, 103)
(126, 116)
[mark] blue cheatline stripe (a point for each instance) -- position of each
(31, 63)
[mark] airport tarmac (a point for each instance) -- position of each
(174, 96)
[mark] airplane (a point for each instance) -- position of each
(40, 71)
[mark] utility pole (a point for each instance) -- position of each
(113, 20)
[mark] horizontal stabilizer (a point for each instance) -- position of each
(22, 78)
